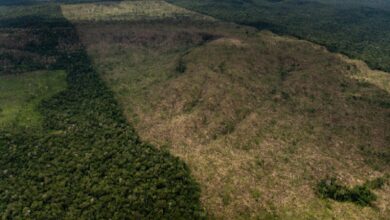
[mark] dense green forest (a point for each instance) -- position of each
(360, 29)
(86, 161)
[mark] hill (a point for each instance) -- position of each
(359, 29)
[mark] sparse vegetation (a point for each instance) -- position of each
(253, 112)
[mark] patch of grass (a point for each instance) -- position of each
(20, 96)
(226, 199)
(283, 74)
(256, 195)
(377, 183)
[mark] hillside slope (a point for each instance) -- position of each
(259, 118)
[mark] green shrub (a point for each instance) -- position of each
(361, 195)
(181, 66)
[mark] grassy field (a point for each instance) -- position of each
(20, 96)
(260, 119)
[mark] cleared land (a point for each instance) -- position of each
(127, 11)
(260, 119)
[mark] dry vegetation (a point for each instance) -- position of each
(259, 118)
(127, 11)
(364, 73)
